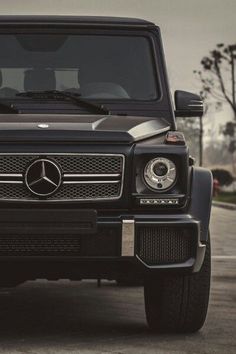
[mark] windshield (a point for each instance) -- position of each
(94, 66)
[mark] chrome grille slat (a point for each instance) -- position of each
(94, 175)
(90, 182)
(85, 176)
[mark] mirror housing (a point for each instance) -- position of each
(188, 104)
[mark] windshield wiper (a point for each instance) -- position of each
(73, 97)
(8, 108)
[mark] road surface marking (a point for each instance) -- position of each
(223, 257)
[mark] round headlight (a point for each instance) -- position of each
(160, 173)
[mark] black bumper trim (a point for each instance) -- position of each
(177, 220)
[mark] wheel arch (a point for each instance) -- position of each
(201, 198)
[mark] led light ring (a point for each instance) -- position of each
(160, 183)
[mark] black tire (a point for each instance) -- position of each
(175, 303)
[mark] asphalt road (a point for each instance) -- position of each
(72, 317)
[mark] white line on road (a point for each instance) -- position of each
(223, 257)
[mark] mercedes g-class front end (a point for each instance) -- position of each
(95, 180)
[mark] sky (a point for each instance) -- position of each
(190, 28)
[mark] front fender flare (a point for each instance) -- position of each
(201, 199)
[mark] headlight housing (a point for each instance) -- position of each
(160, 174)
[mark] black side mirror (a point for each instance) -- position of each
(188, 104)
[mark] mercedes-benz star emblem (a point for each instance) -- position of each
(43, 177)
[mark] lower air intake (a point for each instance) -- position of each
(105, 243)
(39, 245)
(159, 245)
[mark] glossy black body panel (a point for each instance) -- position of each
(79, 129)
(36, 20)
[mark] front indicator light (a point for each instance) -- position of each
(158, 201)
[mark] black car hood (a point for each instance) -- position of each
(83, 128)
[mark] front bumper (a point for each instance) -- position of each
(122, 244)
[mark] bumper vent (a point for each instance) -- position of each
(105, 243)
(159, 245)
(38, 245)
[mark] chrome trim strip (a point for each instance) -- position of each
(201, 250)
(195, 105)
(10, 182)
(53, 201)
(92, 175)
(11, 175)
(128, 235)
(159, 131)
(57, 153)
(89, 182)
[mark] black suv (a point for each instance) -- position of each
(95, 180)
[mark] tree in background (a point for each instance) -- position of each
(218, 82)
(224, 177)
(191, 130)
(215, 153)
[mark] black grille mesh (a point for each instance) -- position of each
(105, 243)
(38, 245)
(69, 163)
(87, 191)
(15, 163)
(14, 191)
(67, 191)
(90, 164)
(159, 245)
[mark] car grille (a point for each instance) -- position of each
(85, 177)
(38, 245)
(159, 245)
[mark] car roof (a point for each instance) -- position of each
(74, 20)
